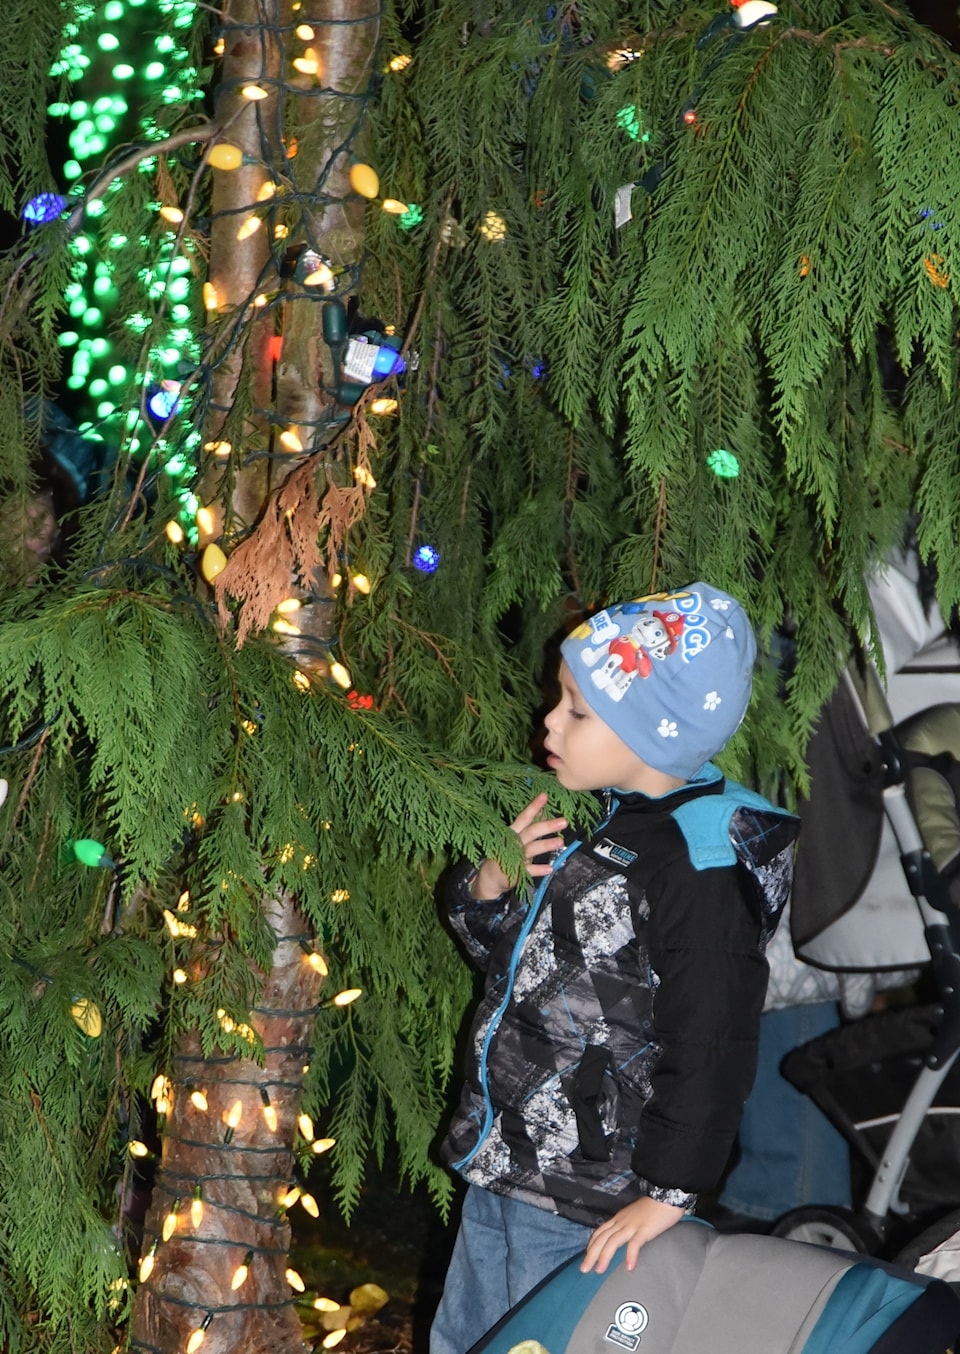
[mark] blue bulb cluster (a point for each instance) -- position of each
(426, 559)
(43, 208)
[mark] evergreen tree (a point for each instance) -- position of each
(675, 289)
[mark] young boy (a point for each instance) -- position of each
(616, 1042)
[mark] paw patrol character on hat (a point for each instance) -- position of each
(653, 635)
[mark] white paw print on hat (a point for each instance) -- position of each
(667, 728)
(713, 699)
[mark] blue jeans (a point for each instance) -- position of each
(790, 1153)
(503, 1249)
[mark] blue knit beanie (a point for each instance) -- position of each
(670, 674)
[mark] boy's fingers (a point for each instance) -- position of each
(526, 816)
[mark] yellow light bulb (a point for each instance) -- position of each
(326, 1305)
(362, 583)
(393, 206)
(266, 191)
(305, 1125)
(183, 902)
(260, 300)
(347, 996)
(249, 227)
(172, 214)
(174, 532)
(317, 962)
(173, 926)
(291, 1196)
(138, 1149)
(199, 1100)
(304, 32)
(291, 440)
(211, 299)
(280, 231)
(301, 680)
(323, 1145)
(218, 448)
(322, 276)
(363, 476)
(341, 675)
(254, 92)
(225, 156)
(198, 1336)
(306, 65)
(269, 1112)
(171, 1220)
(400, 62)
(310, 1204)
(241, 1271)
(219, 47)
(334, 1338)
(196, 1208)
(180, 977)
(147, 1263)
(212, 562)
(234, 1114)
(384, 404)
(294, 1280)
(283, 627)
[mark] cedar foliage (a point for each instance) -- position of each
(786, 289)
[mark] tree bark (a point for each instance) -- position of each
(241, 1174)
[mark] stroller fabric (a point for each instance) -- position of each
(695, 1289)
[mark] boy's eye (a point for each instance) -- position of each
(577, 714)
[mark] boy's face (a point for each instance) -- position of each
(586, 754)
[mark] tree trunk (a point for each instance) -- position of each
(241, 1174)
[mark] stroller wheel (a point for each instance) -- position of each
(822, 1225)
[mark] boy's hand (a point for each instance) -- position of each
(538, 839)
(634, 1225)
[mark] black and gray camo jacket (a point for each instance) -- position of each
(616, 1042)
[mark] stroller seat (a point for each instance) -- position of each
(695, 1289)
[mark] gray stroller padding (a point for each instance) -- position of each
(695, 1289)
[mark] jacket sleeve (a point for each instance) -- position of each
(705, 948)
(476, 923)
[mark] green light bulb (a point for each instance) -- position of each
(91, 853)
(98, 387)
(102, 286)
(92, 317)
(123, 71)
(68, 338)
(155, 71)
(113, 11)
(108, 42)
(72, 170)
(117, 374)
(105, 409)
(99, 347)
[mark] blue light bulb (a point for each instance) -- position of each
(163, 402)
(426, 559)
(43, 208)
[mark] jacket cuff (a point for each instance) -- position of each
(679, 1198)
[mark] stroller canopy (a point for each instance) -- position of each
(695, 1289)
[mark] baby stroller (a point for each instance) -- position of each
(890, 1082)
(695, 1289)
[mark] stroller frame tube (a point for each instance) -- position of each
(884, 1191)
